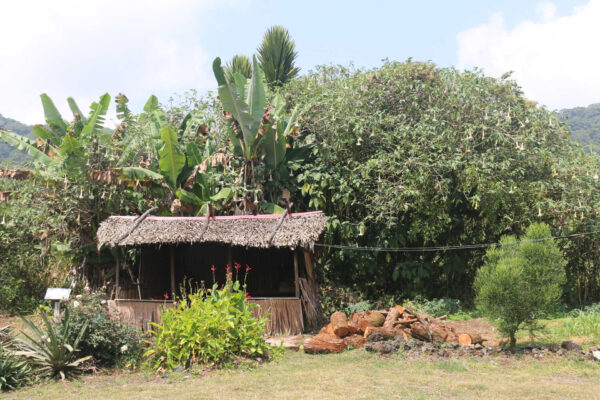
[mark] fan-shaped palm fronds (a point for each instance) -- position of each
(239, 64)
(277, 56)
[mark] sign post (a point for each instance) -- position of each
(56, 295)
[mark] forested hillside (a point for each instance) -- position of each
(8, 153)
(585, 124)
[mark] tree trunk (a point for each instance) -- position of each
(386, 333)
(323, 344)
(391, 318)
(339, 324)
(465, 339)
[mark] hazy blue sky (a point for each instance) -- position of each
(142, 47)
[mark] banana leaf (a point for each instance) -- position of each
(171, 160)
(96, 119)
(151, 104)
(27, 145)
(53, 117)
(75, 110)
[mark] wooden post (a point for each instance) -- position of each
(117, 268)
(172, 249)
(310, 272)
(139, 275)
(296, 285)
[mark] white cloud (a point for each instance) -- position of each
(554, 59)
(86, 48)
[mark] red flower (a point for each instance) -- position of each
(228, 268)
(248, 268)
(213, 269)
(166, 296)
(237, 266)
(248, 296)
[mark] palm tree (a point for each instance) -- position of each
(277, 56)
(239, 64)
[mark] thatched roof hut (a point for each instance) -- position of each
(296, 230)
(172, 250)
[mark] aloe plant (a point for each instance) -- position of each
(49, 349)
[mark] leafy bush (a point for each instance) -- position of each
(435, 307)
(108, 340)
(213, 326)
(521, 280)
(14, 371)
(343, 299)
(50, 349)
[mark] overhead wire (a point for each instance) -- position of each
(450, 248)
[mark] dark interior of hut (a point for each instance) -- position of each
(271, 272)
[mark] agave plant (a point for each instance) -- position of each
(48, 347)
(14, 372)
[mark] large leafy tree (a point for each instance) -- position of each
(411, 155)
(277, 56)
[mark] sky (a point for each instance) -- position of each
(166, 47)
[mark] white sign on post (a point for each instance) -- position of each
(57, 294)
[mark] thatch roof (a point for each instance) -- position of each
(297, 230)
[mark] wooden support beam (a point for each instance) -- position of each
(285, 212)
(139, 275)
(172, 265)
(308, 265)
(117, 269)
(296, 284)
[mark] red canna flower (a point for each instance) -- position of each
(237, 266)
(248, 296)
(166, 296)
(248, 268)
(228, 268)
(213, 269)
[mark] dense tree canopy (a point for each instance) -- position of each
(411, 155)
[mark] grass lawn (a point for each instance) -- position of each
(353, 375)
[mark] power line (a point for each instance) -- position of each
(449, 248)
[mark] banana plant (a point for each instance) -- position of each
(61, 147)
(245, 100)
(183, 169)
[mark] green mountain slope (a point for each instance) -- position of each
(9, 154)
(585, 124)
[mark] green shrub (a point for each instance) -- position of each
(50, 348)
(435, 307)
(521, 280)
(212, 326)
(108, 340)
(14, 371)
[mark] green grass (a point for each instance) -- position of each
(354, 374)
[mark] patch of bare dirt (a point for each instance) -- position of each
(476, 325)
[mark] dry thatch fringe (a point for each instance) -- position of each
(297, 230)
(17, 174)
(285, 315)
